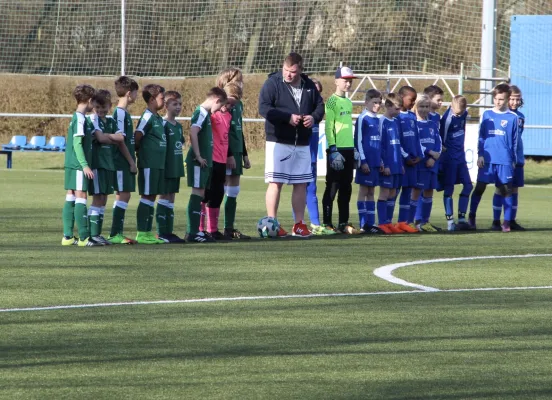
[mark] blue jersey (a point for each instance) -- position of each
(410, 141)
(498, 135)
(368, 139)
(435, 117)
(314, 143)
(391, 152)
(521, 125)
(453, 135)
(430, 141)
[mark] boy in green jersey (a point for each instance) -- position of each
(125, 167)
(78, 155)
(199, 160)
(174, 169)
(151, 145)
(341, 157)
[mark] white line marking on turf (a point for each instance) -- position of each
(384, 273)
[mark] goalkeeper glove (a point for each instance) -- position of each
(337, 161)
(358, 161)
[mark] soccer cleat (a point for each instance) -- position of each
(451, 227)
(217, 235)
(496, 227)
(428, 228)
(403, 226)
(235, 234)
(282, 233)
(330, 227)
(471, 222)
(415, 226)
(102, 240)
(463, 226)
(348, 229)
(147, 238)
(506, 226)
(393, 229)
(199, 237)
(69, 241)
(88, 242)
(320, 230)
(437, 229)
(385, 229)
(516, 227)
(372, 230)
(120, 239)
(171, 238)
(301, 230)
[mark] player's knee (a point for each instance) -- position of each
(233, 191)
(449, 190)
(466, 190)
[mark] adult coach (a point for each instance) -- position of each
(291, 105)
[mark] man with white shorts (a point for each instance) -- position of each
(291, 105)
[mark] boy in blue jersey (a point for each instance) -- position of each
(497, 153)
(515, 102)
(410, 143)
(368, 144)
(392, 159)
(430, 142)
(435, 94)
(453, 162)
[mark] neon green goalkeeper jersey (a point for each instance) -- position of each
(339, 122)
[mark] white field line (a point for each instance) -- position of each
(384, 273)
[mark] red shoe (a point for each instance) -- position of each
(393, 228)
(385, 229)
(300, 229)
(281, 233)
(403, 226)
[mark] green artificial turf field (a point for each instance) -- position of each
(372, 339)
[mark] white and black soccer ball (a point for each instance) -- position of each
(268, 227)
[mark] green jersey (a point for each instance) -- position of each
(124, 125)
(174, 164)
(82, 127)
(153, 146)
(202, 119)
(339, 122)
(102, 153)
(235, 136)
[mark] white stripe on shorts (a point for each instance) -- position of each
(146, 181)
(119, 181)
(197, 176)
(80, 179)
(96, 182)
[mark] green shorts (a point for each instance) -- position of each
(75, 180)
(102, 183)
(125, 181)
(151, 181)
(172, 185)
(239, 165)
(198, 177)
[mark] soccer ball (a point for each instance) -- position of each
(268, 227)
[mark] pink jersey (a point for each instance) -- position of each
(220, 124)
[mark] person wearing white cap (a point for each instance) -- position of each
(340, 153)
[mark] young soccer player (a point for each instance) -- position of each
(514, 104)
(125, 183)
(174, 169)
(453, 162)
(497, 153)
(151, 146)
(392, 158)
(237, 156)
(430, 141)
(368, 144)
(341, 152)
(214, 193)
(102, 164)
(412, 155)
(435, 94)
(199, 160)
(78, 155)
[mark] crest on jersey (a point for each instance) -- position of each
(164, 137)
(411, 123)
(178, 145)
(503, 123)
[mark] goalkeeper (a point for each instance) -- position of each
(341, 160)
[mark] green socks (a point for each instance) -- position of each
(170, 218)
(194, 214)
(68, 215)
(118, 222)
(144, 215)
(94, 221)
(162, 217)
(81, 218)
(230, 205)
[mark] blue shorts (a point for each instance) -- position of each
(496, 173)
(371, 179)
(427, 180)
(392, 181)
(519, 176)
(455, 173)
(410, 177)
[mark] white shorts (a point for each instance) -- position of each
(286, 163)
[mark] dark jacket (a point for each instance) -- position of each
(276, 104)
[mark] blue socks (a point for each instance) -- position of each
(382, 212)
(508, 208)
(366, 213)
(404, 204)
(497, 206)
(515, 199)
(413, 210)
(390, 209)
(427, 204)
